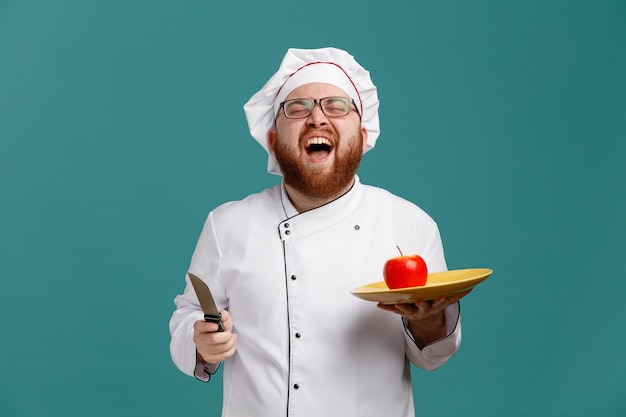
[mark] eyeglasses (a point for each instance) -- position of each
(299, 108)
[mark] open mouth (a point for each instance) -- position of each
(318, 148)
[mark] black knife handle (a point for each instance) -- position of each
(217, 319)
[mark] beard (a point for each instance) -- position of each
(320, 182)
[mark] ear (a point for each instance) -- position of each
(364, 137)
(271, 137)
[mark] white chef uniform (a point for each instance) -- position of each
(306, 346)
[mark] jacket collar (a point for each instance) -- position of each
(310, 221)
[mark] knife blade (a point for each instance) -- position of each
(211, 313)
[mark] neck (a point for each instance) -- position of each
(303, 202)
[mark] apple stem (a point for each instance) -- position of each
(401, 254)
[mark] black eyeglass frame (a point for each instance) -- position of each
(315, 102)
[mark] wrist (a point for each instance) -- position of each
(428, 331)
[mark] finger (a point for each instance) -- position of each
(439, 304)
(414, 311)
(224, 354)
(427, 308)
(215, 345)
(226, 320)
(387, 307)
(214, 353)
(214, 342)
(410, 309)
(202, 326)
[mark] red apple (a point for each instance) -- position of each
(405, 271)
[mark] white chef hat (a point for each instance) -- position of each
(302, 66)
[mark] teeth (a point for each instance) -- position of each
(317, 141)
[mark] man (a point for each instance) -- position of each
(281, 263)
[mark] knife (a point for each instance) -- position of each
(211, 313)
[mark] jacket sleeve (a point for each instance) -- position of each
(182, 347)
(437, 353)
(205, 264)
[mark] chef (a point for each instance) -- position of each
(281, 263)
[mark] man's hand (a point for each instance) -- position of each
(213, 346)
(426, 320)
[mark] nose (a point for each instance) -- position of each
(317, 116)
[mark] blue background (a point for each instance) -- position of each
(121, 126)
